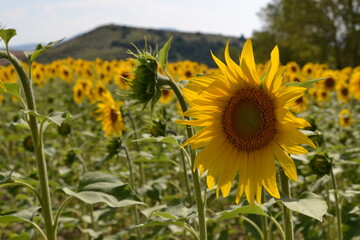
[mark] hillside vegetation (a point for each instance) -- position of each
(112, 42)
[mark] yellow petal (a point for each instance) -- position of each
(269, 172)
(285, 161)
(271, 83)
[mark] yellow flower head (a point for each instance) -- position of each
(247, 125)
(110, 116)
(345, 118)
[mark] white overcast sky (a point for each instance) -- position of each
(42, 21)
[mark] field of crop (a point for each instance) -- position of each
(95, 149)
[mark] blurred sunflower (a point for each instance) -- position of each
(343, 92)
(345, 118)
(110, 115)
(300, 104)
(166, 96)
(355, 85)
(247, 125)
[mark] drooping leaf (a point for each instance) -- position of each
(163, 53)
(19, 216)
(98, 187)
(307, 203)
(236, 210)
(7, 34)
(40, 49)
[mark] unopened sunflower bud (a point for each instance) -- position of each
(114, 146)
(320, 165)
(158, 128)
(28, 144)
(64, 129)
(70, 157)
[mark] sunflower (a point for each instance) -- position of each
(166, 96)
(247, 126)
(110, 115)
(355, 85)
(345, 118)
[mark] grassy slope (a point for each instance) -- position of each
(112, 42)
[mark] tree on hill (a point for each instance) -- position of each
(325, 31)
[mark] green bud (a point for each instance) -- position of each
(320, 165)
(114, 146)
(28, 144)
(64, 129)
(70, 157)
(158, 128)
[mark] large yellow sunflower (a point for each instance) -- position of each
(248, 127)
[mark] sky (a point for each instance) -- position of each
(43, 21)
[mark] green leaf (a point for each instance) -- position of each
(177, 215)
(22, 236)
(307, 203)
(7, 34)
(163, 53)
(5, 178)
(305, 84)
(59, 117)
(40, 49)
(161, 139)
(23, 215)
(236, 210)
(54, 117)
(12, 88)
(98, 187)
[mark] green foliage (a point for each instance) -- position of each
(40, 49)
(311, 31)
(6, 35)
(307, 203)
(98, 187)
(112, 42)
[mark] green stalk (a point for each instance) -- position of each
(264, 223)
(37, 137)
(252, 223)
(136, 216)
(142, 172)
(337, 208)
(163, 81)
(288, 225)
(186, 178)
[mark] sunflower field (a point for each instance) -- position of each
(143, 148)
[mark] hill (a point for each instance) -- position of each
(112, 42)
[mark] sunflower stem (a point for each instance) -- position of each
(189, 197)
(337, 208)
(136, 214)
(264, 223)
(288, 225)
(200, 203)
(37, 136)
